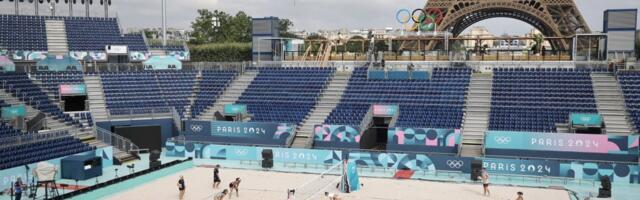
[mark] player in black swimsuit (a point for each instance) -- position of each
(233, 186)
(181, 187)
(216, 177)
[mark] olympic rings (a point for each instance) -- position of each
(455, 164)
(403, 20)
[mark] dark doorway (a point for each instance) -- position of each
(74, 103)
(375, 138)
(145, 137)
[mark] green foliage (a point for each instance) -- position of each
(538, 43)
(221, 52)
(284, 27)
(232, 28)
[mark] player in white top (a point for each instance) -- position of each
(485, 182)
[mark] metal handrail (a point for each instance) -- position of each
(177, 120)
(114, 140)
(394, 119)
(32, 138)
(182, 140)
(367, 119)
(153, 113)
(41, 123)
(558, 159)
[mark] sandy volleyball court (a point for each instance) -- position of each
(260, 185)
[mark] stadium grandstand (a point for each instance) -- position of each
(90, 111)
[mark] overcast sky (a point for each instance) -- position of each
(311, 15)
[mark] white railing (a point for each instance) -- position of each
(32, 138)
(177, 120)
(140, 113)
(310, 139)
(238, 66)
(366, 121)
(115, 140)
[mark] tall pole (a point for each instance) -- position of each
(53, 9)
(37, 9)
(86, 4)
(70, 8)
(164, 23)
(106, 9)
(17, 8)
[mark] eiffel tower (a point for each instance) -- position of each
(554, 18)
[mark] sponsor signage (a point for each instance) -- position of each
(234, 109)
(239, 132)
(584, 143)
(622, 173)
(338, 136)
(571, 146)
(116, 49)
(586, 119)
(423, 139)
(13, 112)
(231, 152)
(522, 167)
(385, 110)
(73, 90)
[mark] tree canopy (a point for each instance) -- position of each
(231, 28)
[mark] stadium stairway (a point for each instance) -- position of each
(52, 97)
(56, 37)
(328, 101)
(476, 120)
(230, 95)
(95, 94)
(98, 112)
(194, 94)
(611, 105)
(562, 128)
(51, 123)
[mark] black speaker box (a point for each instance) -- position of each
(154, 164)
(604, 193)
(219, 116)
(267, 154)
(476, 169)
(267, 164)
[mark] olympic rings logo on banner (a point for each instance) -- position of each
(196, 128)
(455, 164)
(503, 140)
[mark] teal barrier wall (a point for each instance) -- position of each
(13, 112)
(586, 119)
(619, 173)
(235, 109)
(562, 146)
(59, 63)
(163, 63)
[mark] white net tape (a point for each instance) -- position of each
(324, 182)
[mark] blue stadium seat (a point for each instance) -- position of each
(435, 103)
(285, 94)
(630, 84)
(535, 100)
